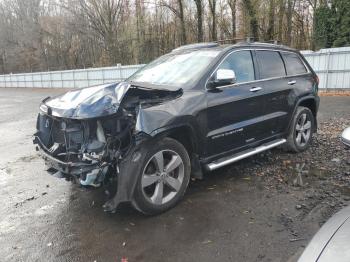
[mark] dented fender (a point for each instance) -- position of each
(184, 111)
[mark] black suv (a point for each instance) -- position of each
(197, 108)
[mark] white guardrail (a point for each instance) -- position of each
(331, 65)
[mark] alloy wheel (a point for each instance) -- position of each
(303, 130)
(162, 177)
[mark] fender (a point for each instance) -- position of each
(185, 111)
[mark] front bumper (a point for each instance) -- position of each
(126, 175)
(68, 168)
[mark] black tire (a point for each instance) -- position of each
(298, 140)
(141, 199)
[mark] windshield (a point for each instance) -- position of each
(175, 69)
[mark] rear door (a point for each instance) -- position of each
(279, 95)
(235, 113)
(296, 79)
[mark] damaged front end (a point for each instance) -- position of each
(89, 135)
(83, 149)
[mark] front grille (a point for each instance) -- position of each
(57, 135)
(68, 135)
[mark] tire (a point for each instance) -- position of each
(172, 179)
(301, 129)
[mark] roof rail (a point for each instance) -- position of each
(246, 40)
(197, 46)
(238, 41)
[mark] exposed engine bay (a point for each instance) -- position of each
(96, 144)
(88, 148)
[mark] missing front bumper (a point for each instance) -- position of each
(68, 168)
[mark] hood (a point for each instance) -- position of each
(338, 247)
(90, 102)
(101, 100)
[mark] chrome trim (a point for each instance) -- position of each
(215, 165)
(255, 89)
(245, 123)
(256, 80)
(293, 82)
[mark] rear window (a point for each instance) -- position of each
(271, 64)
(294, 65)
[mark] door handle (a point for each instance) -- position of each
(293, 82)
(255, 89)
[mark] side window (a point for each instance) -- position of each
(293, 63)
(271, 64)
(242, 64)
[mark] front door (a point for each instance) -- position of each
(236, 111)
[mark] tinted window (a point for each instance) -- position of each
(271, 64)
(242, 64)
(293, 63)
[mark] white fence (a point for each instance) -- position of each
(331, 65)
(69, 78)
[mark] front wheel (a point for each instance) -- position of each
(300, 133)
(164, 177)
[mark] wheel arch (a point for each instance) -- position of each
(182, 133)
(186, 135)
(310, 102)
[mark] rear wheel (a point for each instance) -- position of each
(164, 177)
(300, 133)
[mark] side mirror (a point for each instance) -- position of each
(223, 77)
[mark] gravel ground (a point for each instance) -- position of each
(265, 208)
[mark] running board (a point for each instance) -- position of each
(247, 153)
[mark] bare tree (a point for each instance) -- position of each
(104, 18)
(179, 12)
(212, 8)
(271, 21)
(37, 35)
(289, 15)
(253, 21)
(199, 8)
(232, 4)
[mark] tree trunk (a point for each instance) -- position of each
(199, 20)
(271, 26)
(281, 12)
(182, 21)
(232, 4)
(212, 7)
(252, 18)
(290, 7)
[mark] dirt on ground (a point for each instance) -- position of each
(264, 208)
(334, 93)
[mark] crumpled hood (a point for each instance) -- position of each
(90, 102)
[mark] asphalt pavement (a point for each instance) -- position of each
(231, 215)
